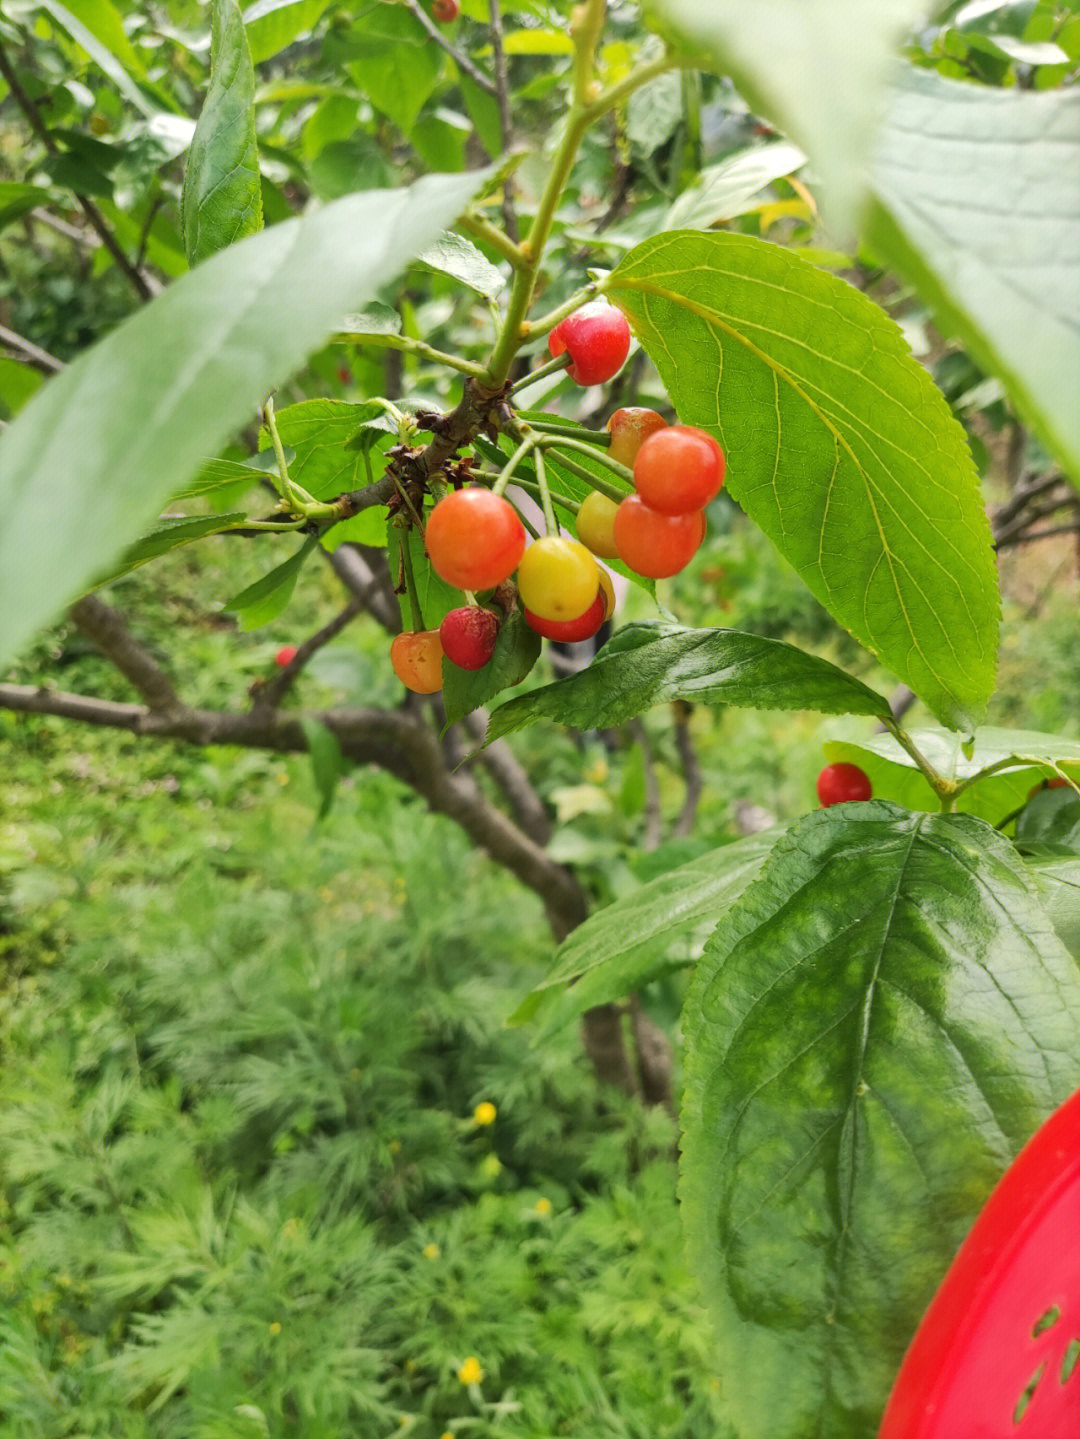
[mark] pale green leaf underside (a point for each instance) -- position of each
(980, 206)
(876, 1027)
(222, 197)
(1057, 878)
(839, 446)
(91, 460)
(651, 662)
(819, 68)
(894, 775)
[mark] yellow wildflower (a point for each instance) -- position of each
(471, 1372)
(431, 1251)
(543, 1206)
(485, 1112)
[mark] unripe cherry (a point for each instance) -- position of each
(557, 578)
(630, 428)
(468, 636)
(655, 545)
(417, 657)
(596, 524)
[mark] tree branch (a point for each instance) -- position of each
(39, 358)
(464, 64)
(275, 690)
(107, 629)
(357, 568)
(142, 286)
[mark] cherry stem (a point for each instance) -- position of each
(553, 317)
(560, 362)
(947, 790)
(564, 442)
(596, 438)
(507, 471)
(410, 580)
(550, 522)
(293, 494)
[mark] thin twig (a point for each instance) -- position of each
(39, 358)
(139, 281)
(107, 630)
(506, 118)
(691, 768)
(464, 64)
(272, 693)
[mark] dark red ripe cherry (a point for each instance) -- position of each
(597, 338)
(445, 10)
(468, 636)
(678, 469)
(839, 783)
(570, 631)
(285, 655)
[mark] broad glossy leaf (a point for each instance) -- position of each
(724, 190)
(397, 65)
(975, 205)
(263, 601)
(222, 198)
(660, 927)
(273, 24)
(875, 1029)
(169, 534)
(455, 256)
(654, 661)
(1051, 817)
(819, 68)
(516, 651)
(895, 776)
(839, 446)
(92, 459)
(17, 200)
(318, 432)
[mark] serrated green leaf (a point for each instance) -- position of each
(724, 190)
(453, 255)
(169, 534)
(654, 661)
(1052, 818)
(839, 446)
(17, 200)
(397, 65)
(659, 928)
(273, 24)
(516, 651)
(318, 432)
(895, 776)
(875, 1029)
(129, 422)
(973, 208)
(215, 474)
(366, 528)
(327, 761)
(778, 55)
(267, 597)
(222, 196)
(90, 26)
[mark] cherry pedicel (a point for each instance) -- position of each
(842, 783)
(468, 636)
(597, 338)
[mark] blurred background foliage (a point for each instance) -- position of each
(242, 1188)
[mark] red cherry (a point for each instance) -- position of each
(678, 469)
(570, 631)
(840, 783)
(653, 544)
(285, 655)
(598, 340)
(445, 10)
(1056, 783)
(468, 636)
(474, 539)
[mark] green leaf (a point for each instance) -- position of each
(1057, 878)
(267, 597)
(169, 534)
(516, 651)
(92, 459)
(397, 65)
(318, 432)
(437, 598)
(215, 474)
(18, 382)
(222, 198)
(659, 928)
(90, 26)
(17, 200)
(455, 256)
(327, 761)
(538, 42)
(894, 774)
(273, 24)
(785, 61)
(1051, 817)
(876, 1028)
(974, 209)
(839, 446)
(654, 661)
(373, 319)
(722, 191)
